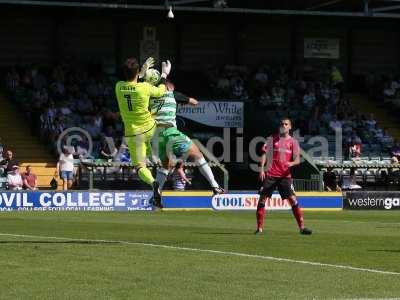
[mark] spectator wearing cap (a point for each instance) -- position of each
(65, 168)
(8, 162)
(14, 179)
(29, 179)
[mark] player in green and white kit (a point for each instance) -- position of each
(169, 140)
(133, 101)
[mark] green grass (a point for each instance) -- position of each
(44, 268)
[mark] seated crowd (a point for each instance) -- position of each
(11, 176)
(314, 100)
(68, 95)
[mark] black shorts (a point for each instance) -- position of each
(283, 185)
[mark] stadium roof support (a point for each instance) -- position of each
(386, 8)
(289, 12)
(324, 4)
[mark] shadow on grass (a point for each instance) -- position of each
(226, 233)
(60, 242)
(385, 250)
(388, 226)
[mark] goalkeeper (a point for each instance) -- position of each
(133, 102)
(168, 139)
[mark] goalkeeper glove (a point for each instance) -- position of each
(165, 69)
(149, 63)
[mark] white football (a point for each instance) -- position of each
(152, 76)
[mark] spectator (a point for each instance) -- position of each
(309, 98)
(330, 183)
(326, 118)
(350, 183)
(65, 168)
(265, 99)
(261, 77)
(223, 86)
(395, 151)
(335, 124)
(278, 94)
(93, 128)
(29, 179)
(110, 132)
(386, 139)
(314, 125)
(378, 132)
(123, 154)
(1, 151)
(82, 149)
(337, 80)
(13, 79)
(179, 178)
(355, 148)
(237, 88)
(8, 162)
(370, 123)
(14, 179)
(108, 151)
(389, 92)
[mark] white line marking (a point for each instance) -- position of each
(289, 260)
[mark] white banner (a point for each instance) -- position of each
(322, 48)
(214, 113)
(248, 202)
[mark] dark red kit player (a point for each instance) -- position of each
(281, 152)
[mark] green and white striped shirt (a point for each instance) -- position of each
(164, 109)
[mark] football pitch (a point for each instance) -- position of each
(198, 255)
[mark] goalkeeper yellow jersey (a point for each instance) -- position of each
(133, 102)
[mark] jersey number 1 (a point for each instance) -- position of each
(129, 102)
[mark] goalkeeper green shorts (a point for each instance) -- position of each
(170, 141)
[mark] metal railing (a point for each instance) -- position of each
(307, 185)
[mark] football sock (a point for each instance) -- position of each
(145, 175)
(260, 214)
(298, 214)
(205, 170)
(161, 177)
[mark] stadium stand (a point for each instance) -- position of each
(69, 95)
(27, 149)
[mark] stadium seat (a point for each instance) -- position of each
(345, 174)
(375, 158)
(359, 173)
